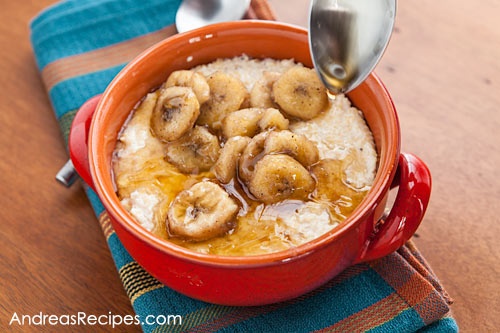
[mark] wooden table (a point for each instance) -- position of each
(443, 70)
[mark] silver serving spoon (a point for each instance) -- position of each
(190, 15)
(194, 14)
(347, 39)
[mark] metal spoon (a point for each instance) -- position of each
(347, 39)
(194, 14)
(190, 15)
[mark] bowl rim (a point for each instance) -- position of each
(119, 214)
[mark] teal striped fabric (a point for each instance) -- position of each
(79, 47)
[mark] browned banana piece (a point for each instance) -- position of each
(175, 113)
(300, 93)
(296, 145)
(277, 177)
(226, 166)
(250, 121)
(195, 152)
(227, 94)
(250, 155)
(201, 212)
(191, 79)
(261, 95)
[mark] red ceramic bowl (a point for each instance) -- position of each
(260, 279)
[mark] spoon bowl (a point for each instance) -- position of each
(194, 14)
(347, 39)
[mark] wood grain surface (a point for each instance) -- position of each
(442, 68)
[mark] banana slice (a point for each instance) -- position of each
(296, 145)
(191, 79)
(250, 155)
(195, 152)
(227, 94)
(278, 177)
(202, 212)
(250, 121)
(261, 95)
(300, 93)
(175, 113)
(225, 167)
(273, 119)
(243, 122)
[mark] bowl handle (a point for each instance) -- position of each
(78, 139)
(414, 180)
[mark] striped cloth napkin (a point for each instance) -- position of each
(79, 46)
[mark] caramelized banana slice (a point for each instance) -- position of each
(296, 145)
(227, 94)
(278, 177)
(250, 121)
(193, 80)
(243, 122)
(261, 95)
(195, 152)
(202, 212)
(175, 113)
(300, 93)
(251, 154)
(273, 119)
(225, 167)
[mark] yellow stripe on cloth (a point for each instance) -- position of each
(137, 281)
(106, 226)
(100, 59)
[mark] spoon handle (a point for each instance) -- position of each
(67, 174)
